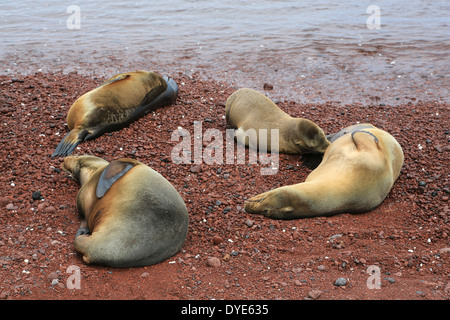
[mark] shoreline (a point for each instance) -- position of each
(260, 258)
(315, 85)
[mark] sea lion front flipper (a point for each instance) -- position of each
(155, 99)
(114, 79)
(70, 141)
(111, 174)
(374, 136)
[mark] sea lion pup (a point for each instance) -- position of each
(113, 105)
(249, 109)
(356, 173)
(131, 215)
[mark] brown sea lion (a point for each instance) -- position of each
(113, 105)
(356, 173)
(247, 109)
(131, 215)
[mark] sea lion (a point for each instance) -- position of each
(356, 173)
(113, 105)
(249, 109)
(130, 214)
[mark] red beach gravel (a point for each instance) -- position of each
(228, 253)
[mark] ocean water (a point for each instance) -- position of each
(342, 51)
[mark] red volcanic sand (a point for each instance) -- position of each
(228, 254)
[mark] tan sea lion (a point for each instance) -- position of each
(356, 173)
(130, 214)
(113, 105)
(249, 109)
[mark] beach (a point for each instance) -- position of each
(228, 253)
(330, 64)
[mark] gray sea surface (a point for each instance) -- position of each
(311, 51)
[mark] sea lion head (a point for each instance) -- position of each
(309, 137)
(81, 168)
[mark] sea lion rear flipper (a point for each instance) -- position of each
(70, 142)
(111, 174)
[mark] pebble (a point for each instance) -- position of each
(4, 201)
(217, 240)
(196, 168)
(267, 86)
(36, 195)
(390, 280)
(340, 282)
(444, 250)
(248, 223)
(50, 209)
(213, 262)
(11, 206)
(314, 294)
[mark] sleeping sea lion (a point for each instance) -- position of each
(356, 173)
(130, 214)
(113, 105)
(249, 109)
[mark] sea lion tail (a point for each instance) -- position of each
(70, 142)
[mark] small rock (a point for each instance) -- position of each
(267, 86)
(314, 294)
(145, 274)
(422, 183)
(11, 206)
(390, 280)
(297, 282)
(53, 275)
(321, 267)
(249, 223)
(447, 288)
(444, 250)
(196, 168)
(217, 240)
(213, 262)
(36, 195)
(336, 236)
(340, 282)
(4, 295)
(50, 209)
(4, 201)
